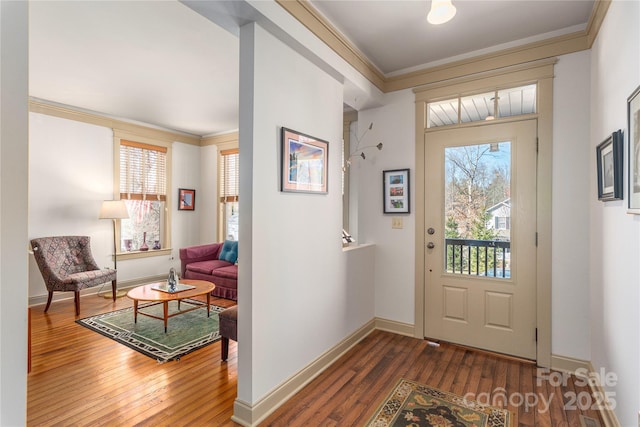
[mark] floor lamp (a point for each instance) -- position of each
(114, 209)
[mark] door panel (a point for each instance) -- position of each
(481, 269)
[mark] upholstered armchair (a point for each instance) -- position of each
(67, 265)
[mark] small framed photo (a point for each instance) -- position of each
(395, 191)
(609, 159)
(633, 132)
(304, 163)
(186, 199)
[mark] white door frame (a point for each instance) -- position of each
(541, 73)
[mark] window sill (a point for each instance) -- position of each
(143, 254)
(355, 246)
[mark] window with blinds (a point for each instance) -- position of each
(229, 179)
(143, 171)
(143, 187)
(229, 175)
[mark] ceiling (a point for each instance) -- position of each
(161, 63)
(395, 36)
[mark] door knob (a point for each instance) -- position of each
(430, 245)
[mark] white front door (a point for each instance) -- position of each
(480, 244)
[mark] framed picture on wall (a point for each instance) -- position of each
(395, 191)
(609, 159)
(633, 132)
(304, 163)
(186, 199)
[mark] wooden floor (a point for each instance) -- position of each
(81, 378)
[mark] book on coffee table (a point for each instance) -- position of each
(164, 287)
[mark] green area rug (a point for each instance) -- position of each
(417, 405)
(186, 332)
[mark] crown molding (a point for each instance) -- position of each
(66, 112)
(308, 16)
(484, 63)
(224, 141)
(599, 11)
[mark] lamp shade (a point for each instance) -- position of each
(113, 209)
(441, 12)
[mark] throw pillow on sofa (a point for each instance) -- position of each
(229, 251)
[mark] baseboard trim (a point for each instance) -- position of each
(569, 364)
(249, 416)
(608, 415)
(399, 328)
(585, 370)
(125, 284)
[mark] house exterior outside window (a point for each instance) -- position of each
(500, 218)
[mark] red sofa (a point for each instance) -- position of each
(202, 263)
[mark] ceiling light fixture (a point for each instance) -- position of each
(491, 115)
(441, 11)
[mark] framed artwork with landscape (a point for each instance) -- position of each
(304, 163)
(610, 169)
(395, 191)
(633, 132)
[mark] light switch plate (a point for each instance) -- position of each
(396, 222)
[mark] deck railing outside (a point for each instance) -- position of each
(490, 258)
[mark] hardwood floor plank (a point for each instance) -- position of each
(462, 375)
(526, 415)
(106, 383)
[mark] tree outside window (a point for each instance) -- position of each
(229, 179)
(143, 187)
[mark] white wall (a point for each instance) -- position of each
(294, 283)
(186, 173)
(71, 173)
(615, 235)
(208, 195)
(394, 126)
(570, 217)
(13, 212)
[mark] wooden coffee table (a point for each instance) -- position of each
(147, 293)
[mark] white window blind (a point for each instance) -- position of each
(143, 171)
(229, 175)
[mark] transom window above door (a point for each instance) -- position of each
(515, 101)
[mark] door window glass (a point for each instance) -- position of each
(477, 207)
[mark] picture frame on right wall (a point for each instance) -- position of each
(609, 156)
(633, 133)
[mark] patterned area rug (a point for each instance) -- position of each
(186, 332)
(417, 405)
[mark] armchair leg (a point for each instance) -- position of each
(77, 299)
(48, 301)
(225, 348)
(113, 289)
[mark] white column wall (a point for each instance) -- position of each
(294, 284)
(570, 217)
(13, 212)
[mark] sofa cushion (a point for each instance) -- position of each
(206, 267)
(229, 251)
(229, 272)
